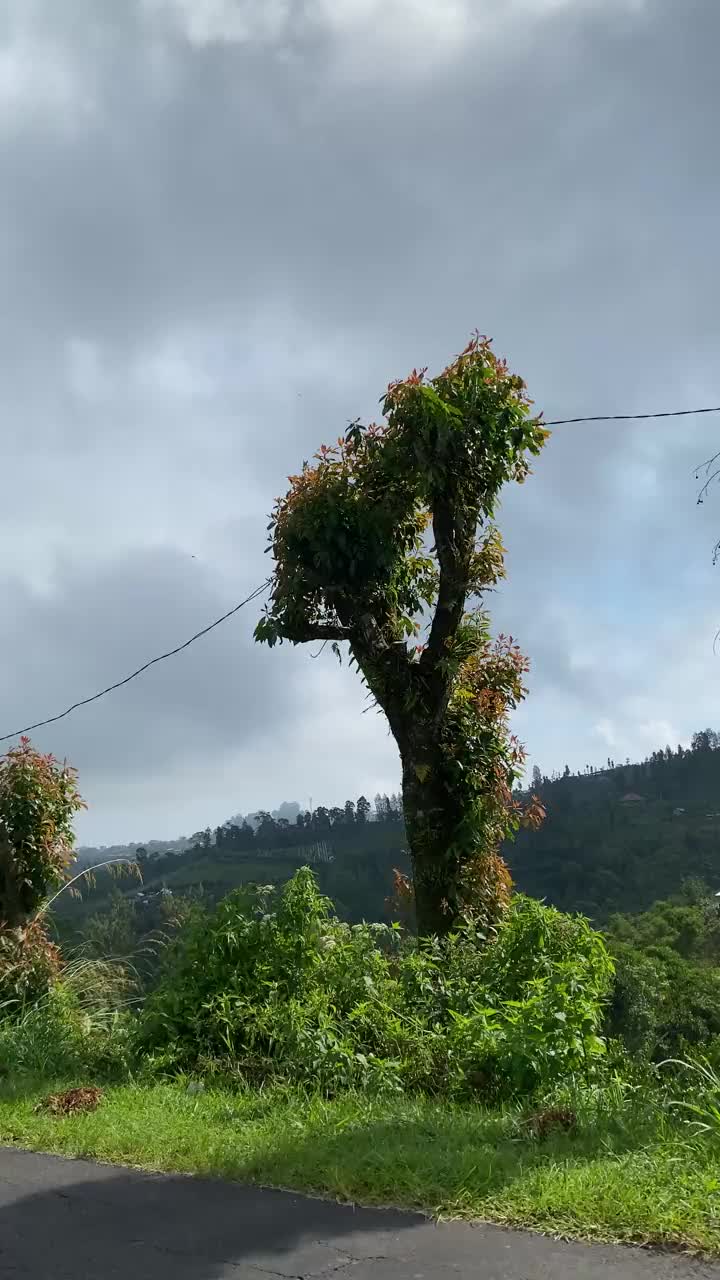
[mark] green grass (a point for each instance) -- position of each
(631, 1176)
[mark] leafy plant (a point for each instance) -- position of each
(29, 962)
(273, 985)
(81, 1026)
(705, 1107)
(661, 1004)
(38, 799)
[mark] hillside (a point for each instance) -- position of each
(614, 840)
(623, 837)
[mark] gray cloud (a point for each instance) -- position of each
(98, 623)
(225, 227)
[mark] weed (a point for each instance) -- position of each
(706, 1105)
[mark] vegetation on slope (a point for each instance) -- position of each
(613, 840)
(285, 1046)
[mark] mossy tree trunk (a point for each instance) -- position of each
(432, 821)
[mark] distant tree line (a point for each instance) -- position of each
(614, 840)
(617, 838)
(265, 831)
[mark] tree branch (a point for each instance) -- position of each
(388, 674)
(710, 475)
(454, 550)
(302, 632)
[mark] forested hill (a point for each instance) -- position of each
(614, 840)
(623, 837)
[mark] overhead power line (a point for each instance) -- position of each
(632, 417)
(84, 702)
(160, 658)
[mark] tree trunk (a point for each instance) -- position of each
(432, 822)
(433, 918)
(453, 865)
(456, 861)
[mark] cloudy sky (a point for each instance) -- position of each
(225, 225)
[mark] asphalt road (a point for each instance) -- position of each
(69, 1220)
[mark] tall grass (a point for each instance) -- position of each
(80, 1026)
(702, 1113)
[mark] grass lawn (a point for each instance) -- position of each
(631, 1179)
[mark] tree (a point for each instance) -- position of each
(362, 809)
(321, 818)
(38, 800)
(382, 808)
(352, 564)
(114, 932)
(246, 836)
(266, 830)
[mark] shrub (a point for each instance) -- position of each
(690, 1014)
(78, 1021)
(274, 984)
(38, 798)
(661, 1004)
(57, 1039)
(525, 1009)
(270, 979)
(639, 989)
(29, 962)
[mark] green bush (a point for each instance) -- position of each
(79, 1025)
(273, 984)
(634, 1011)
(661, 1004)
(57, 1039)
